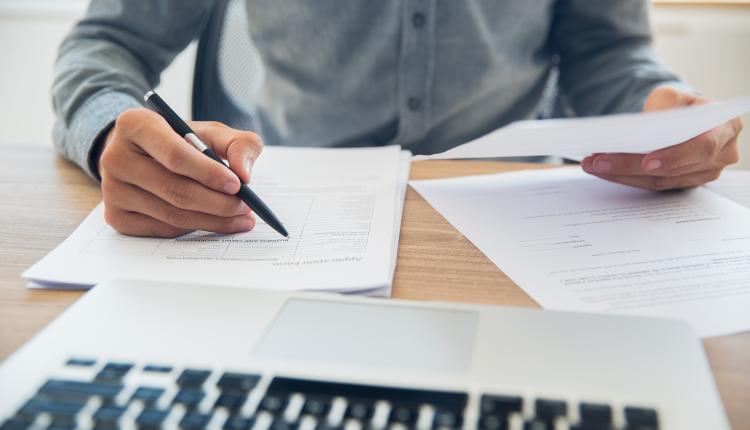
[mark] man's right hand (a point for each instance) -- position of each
(155, 183)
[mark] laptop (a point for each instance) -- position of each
(141, 355)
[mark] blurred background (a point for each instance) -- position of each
(706, 42)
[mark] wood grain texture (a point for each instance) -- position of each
(43, 198)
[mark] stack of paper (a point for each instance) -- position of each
(578, 243)
(342, 208)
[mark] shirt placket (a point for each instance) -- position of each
(415, 71)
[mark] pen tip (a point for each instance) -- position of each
(147, 95)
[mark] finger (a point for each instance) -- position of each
(703, 149)
(730, 154)
(143, 202)
(631, 165)
(135, 224)
(179, 191)
(240, 147)
(152, 134)
(663, 183)
(715, 148)
(613, 164)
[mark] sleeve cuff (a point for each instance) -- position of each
(90, 124)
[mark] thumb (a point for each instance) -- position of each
(242, 154)
(240, 147)
(667, 97)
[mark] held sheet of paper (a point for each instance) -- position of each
(575, 242)
(577, 137)
(342, 208)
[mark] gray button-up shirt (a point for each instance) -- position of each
(425, 74)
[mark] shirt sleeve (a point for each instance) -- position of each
(606, 62)
(109, 60)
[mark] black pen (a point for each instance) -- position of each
(180, 127)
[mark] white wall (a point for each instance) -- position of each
(707, 46)
(710, 49)
(30, 33)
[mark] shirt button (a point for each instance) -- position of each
(414, 103)
(418, 20)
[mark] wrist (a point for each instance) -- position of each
(97, 147)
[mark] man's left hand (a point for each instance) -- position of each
(688, 164)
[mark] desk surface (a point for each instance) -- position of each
(43, 198)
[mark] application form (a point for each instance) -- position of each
(578, 137)
(342, 208)
(578, 243)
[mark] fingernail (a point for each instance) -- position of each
(602, 165)
(246, 224)
(248, 165)
(586, 164)
(230, 187)
(653, 165)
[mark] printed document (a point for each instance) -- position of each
(342, 208)
(576, 137)
(578, 243)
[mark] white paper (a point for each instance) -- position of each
(575, 242)
(342, 208)
(629, 133)
(734, 185)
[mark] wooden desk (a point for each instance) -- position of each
(43, 198)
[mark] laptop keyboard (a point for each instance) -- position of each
(122, 395)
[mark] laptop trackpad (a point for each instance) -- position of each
(371, 335)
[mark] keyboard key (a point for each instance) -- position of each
(77, 389)
(325, 426)
(108, 417)
(592, 427)
(537, 425)
(113, 372)
(493, 422)
(237, 382)
(594, 415)
(231, 401)
(189, 397)
(193, 378)
(62, 412)
(316, 406)
(151, 419)
(148, 395)
(641, 418)
(359, 409)
(403, 414)
(280, 424)
(120, 367)
(194, 421)
(83, 362)
(239, 423)
(15, 424)
(273, 403)
(447, 419)
(54, 426)
(501, 405)
(547, 410)
(157, 368)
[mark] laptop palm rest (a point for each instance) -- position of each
(371, 335)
